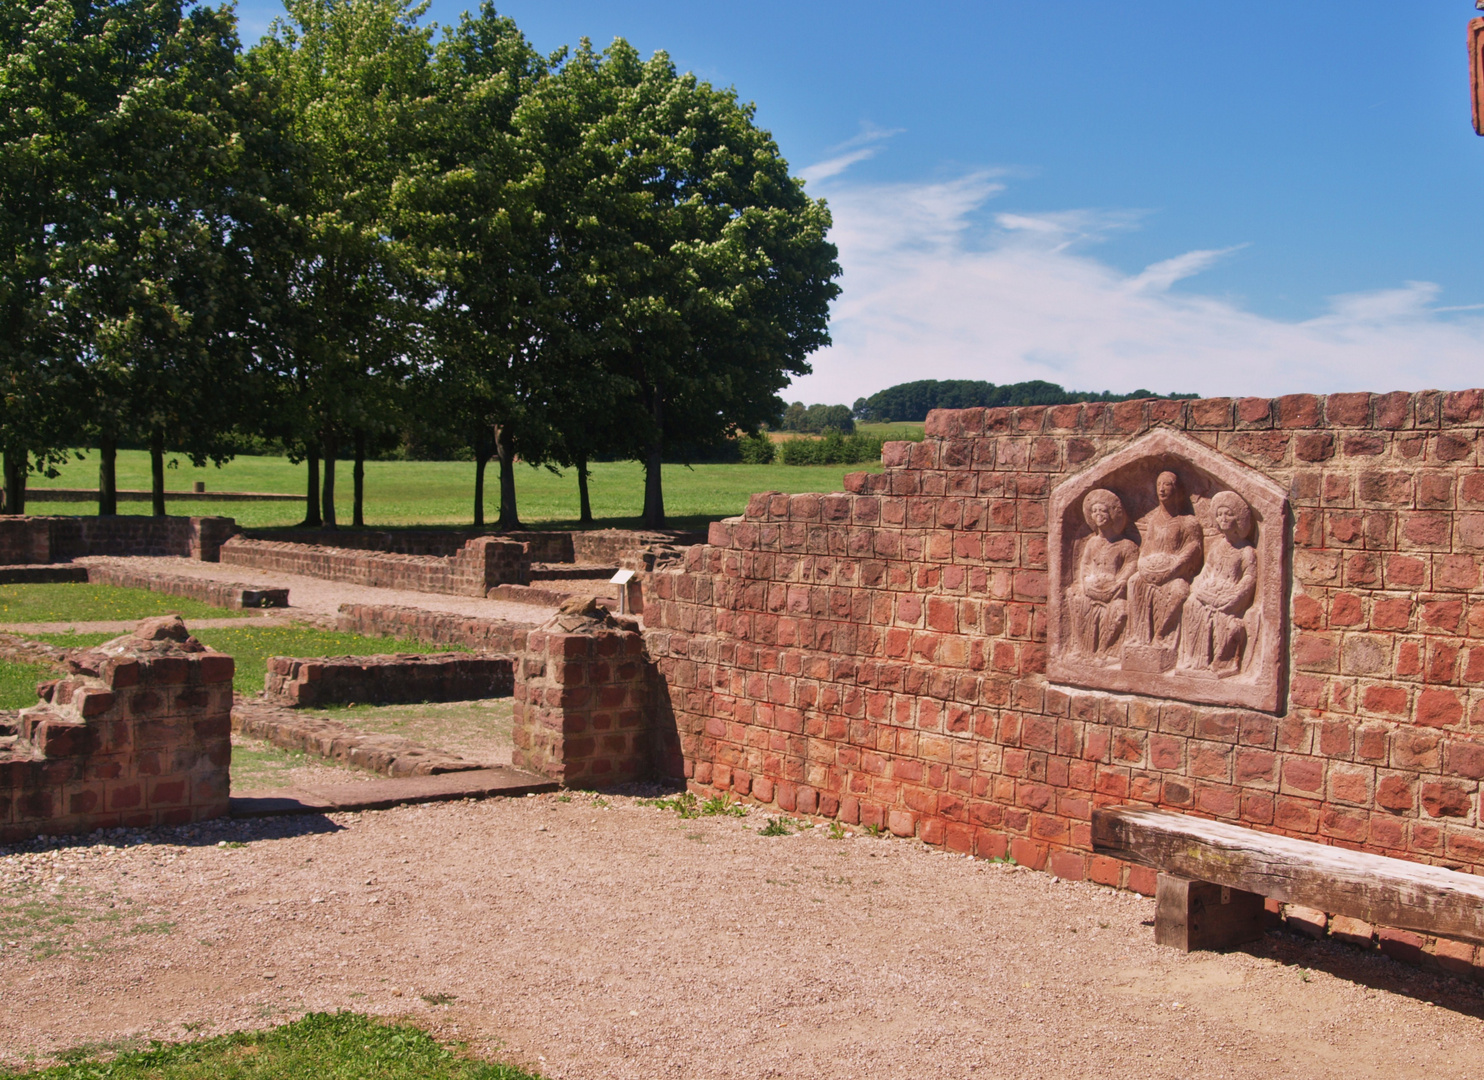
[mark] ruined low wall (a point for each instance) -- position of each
(588, 709)
(399, 679)
(138, 735)
(929, 650)
(603, 547)
(223, 594)
(473, 570)
(35, 539)
(434, 627)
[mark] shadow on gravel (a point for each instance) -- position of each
(220, 832)
(1370, 968)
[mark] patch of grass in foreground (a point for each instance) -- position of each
(251, 646)
(18, 683)
(76, 602)
(321, 1046)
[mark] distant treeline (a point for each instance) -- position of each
(817, 419)
(914, 400)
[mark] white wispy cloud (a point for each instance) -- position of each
(934, 287)
(862, 146)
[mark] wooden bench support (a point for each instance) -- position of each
(1190, 915)
(1375, 888)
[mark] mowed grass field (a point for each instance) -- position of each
(442, 492)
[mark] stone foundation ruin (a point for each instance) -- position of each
(138, 734)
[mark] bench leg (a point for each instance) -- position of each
(1198, 915)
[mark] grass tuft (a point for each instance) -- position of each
(321, 1046)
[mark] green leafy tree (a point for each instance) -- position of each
(702, 273)
(354, 82)
(159, 265)
(53, 54)
(467, 209)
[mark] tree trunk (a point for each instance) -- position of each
(327, 489)
(311, 493)
(505, 451)
(482, 452)
(108, 485)
(584, 504)
(654, 493)
(157, 472)
(358, 481)
(16, 468)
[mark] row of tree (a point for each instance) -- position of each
(359, 227)
(914, 400)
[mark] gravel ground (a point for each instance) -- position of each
(601, 938)
(320, 598)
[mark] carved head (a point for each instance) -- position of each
(1167, 487)
(1102, 509)
(1231, 514)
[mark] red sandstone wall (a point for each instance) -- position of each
(434, 627)
(879, 654)
(584, 704)
(387, 680)
(140, 735)
(29, 539)
(480, 564)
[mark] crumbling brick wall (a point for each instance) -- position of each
(434, 627)
(585, 702)
(35, 539)
(479, 565)
(880, 654)
(138, 734)
(398, 679)
(223, 594)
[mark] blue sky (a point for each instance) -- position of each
(1255, 197)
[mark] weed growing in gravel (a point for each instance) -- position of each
(1004, 860)
(874, 830)
(722, 806)
(439, 999)
(776, 826)
(320, 1045)
(837, 831)
(42, 923)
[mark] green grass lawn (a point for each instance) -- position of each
(251, 646)
(18, 683)
(76, 602)
(321, 1046)
(442, 492)
(897, 429)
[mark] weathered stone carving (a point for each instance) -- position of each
(1188, 601)
(1097, 604)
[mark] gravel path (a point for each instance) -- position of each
(317, 597)
(604, 939)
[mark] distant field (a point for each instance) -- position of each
(442, 492)
(897, 430)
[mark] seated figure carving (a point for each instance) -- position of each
(1169, 557)
(1213, 633)
(1097, 600)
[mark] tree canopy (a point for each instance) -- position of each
(914, 400)
(360, 228)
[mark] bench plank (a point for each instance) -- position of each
(1376, 888)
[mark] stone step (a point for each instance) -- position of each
(571, 572)
(384, 794)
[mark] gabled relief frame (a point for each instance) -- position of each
(1261, 685)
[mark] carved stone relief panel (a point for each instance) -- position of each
(1168, 576)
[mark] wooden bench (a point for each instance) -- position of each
(1213, 877)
